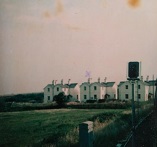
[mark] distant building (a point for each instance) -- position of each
(151, 88)
(48, 93)
(111, 90)
(97, 90)
(141, 90)
(54, 89)
(85, 91)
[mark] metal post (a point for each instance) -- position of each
(133, 116)
(89, 90)
(155, 113)
(138, 103)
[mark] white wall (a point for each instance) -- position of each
(48, 95)
(59, 88)
(99, 92)
(112, 91)
(143, 91)
(75, 92)
(84, 92)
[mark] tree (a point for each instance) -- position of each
(60, 99)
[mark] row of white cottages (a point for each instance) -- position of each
(101, 90)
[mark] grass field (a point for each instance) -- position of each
(44, 126)
(60, 127)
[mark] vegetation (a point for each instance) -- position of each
(61, 99)
(42, 127)
(28, 97)
(7, 101)
(59, 127)
(105, 105)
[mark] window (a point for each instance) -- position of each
(48, 97)
(126, 96)
(95, 87)
(139, 96)
(77, 97)
(139, 86)
(95, 96)
(84, 87)
(48, 89)
(126, 86)
(85, 97)
(57, 88)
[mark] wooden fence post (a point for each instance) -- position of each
(86, 134)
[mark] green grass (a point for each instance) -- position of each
(59, 127)
(43, 126)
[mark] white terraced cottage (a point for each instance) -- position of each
(100, 90)
(54, 89)
(97, 90)
(141, 90)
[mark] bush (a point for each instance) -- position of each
(91, 101)
(60, 99)
(101, 100)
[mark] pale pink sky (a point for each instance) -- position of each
(61, 39)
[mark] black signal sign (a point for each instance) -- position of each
(133, 70)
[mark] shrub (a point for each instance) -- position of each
(91, 101)
(61, 99)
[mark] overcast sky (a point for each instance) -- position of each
(41, 41)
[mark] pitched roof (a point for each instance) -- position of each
(151, 83)
(72, 85)
(61, 85)
(47, 85)
(122, 82)
(98, 83)
(85, 83)
(108, 84)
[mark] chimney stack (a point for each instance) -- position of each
(62, 81)
(54, 82)
(141, 78)
(99, 80)
(89, 80)
(69, 81)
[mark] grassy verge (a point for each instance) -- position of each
(44, 127)
(59, 127)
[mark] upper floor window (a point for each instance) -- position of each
(57, 88)
(84, 87)
(139, 86)
(126, 86)
(48, 97)
(139, 96)
(95, 87)
(48, 89)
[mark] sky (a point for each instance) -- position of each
(41, 41)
